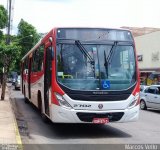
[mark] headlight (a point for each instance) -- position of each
(62, 101)
(134, 101)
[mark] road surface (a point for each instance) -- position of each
(34, 131)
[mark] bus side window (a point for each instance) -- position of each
(37, 59)
(26, 64)
(34, 64)
(40, 58)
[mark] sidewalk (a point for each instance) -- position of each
(9, 133)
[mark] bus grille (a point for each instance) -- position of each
(88, 117)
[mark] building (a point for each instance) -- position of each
(148, 50)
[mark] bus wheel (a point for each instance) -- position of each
(40, 107)
(143, 105)
(25, 98)
(44, 118)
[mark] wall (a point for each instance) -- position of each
(148, 45)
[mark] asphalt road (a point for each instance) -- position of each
(34, 131)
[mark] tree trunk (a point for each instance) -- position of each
(4, 86)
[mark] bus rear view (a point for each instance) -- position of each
(96, 76)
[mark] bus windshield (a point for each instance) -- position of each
(95, 65)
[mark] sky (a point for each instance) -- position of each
(46, 14)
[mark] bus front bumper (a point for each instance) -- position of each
(60, 114)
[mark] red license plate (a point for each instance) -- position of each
(100, 120)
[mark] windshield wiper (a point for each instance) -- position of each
(108, 58)
(85, 52)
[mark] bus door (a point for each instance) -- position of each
(47, 77)
(29, 77)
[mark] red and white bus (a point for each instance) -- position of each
(83, 75)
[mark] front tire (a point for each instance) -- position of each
(143, 105)
(25, 98)
(40, 106)
(44, 118)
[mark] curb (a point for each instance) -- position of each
(18, 137)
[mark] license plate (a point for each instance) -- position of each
(100, 120)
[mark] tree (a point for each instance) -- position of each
(8, 56)
(3, 24)
(3, 20)
(27, 36)
(3, 17)
(11, 53)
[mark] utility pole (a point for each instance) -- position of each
(9, 22)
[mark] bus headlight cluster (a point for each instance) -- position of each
(62, 101)
(134, 101)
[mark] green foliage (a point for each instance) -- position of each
(1, 66)
(8, 55)
(3, 17)
(18, 47)
(1, 36)
(3, 20)
(27, 36)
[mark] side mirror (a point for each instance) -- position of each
(50, 39)
(51, 48)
